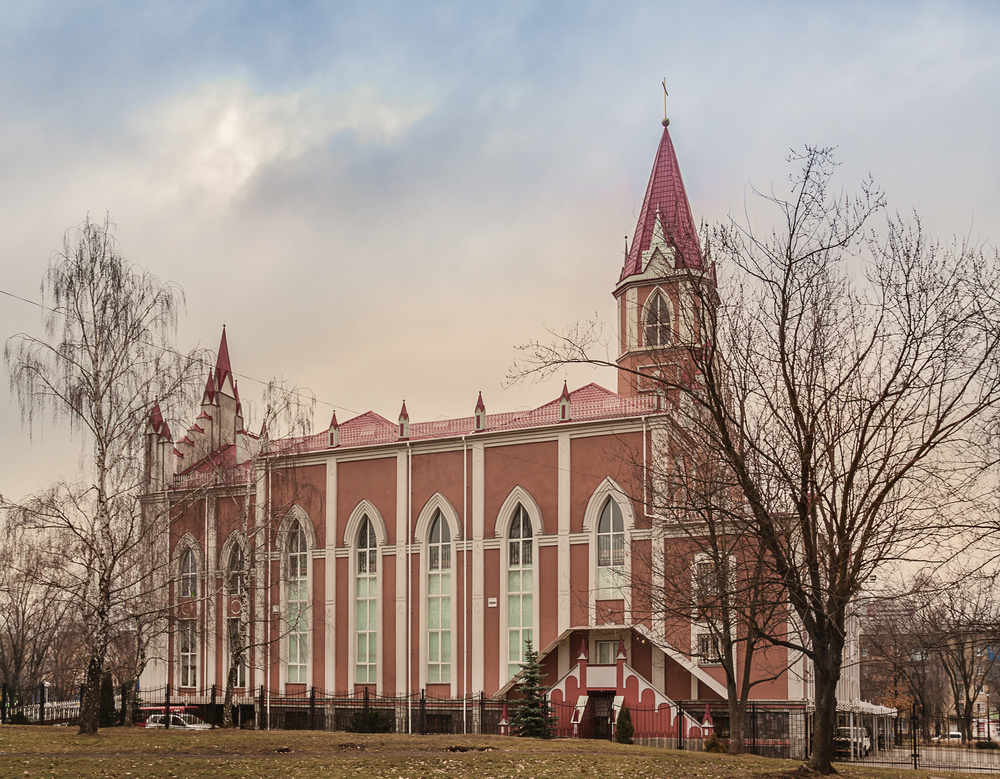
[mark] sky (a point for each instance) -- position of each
(381, 200)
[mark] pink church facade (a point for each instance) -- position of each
(401, 557)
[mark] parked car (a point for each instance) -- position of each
(179, 721)
(952, 737)
(843, 738)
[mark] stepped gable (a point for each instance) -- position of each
(665, 202)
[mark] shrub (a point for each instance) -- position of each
(371, 721)
(533, 718)
(712, 744)
(625, 729)
(987, 745)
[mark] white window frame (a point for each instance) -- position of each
(440, 569)
(365, 509)
(366, 571)
(421, 534)
(610, 579)
(296, 515)
(189, 569)
(591, 519)
(519, 498)
(610, 647)
(666, 309)
(231, 636)
(187, 653)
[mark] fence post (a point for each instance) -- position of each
(423, 711)
(3, 703)
(41, 704)
(262, 716)
(211, 708)
(312, 708)
(753, 707)
(166, 708)
(913, 734)
(124, 706)
(482, 712)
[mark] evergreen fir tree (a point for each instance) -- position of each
(625, 729)
(533, 718)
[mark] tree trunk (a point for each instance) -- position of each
(827, 662)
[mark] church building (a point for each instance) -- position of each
(406, 557)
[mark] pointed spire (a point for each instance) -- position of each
(156, 417)
(621, 649)
(480, 413)
(334, 430)
(665, 207)
(564, 404)
(222, 365)
(404, 422)
(583, 653)
(209, 396)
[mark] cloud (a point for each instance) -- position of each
(212, 142)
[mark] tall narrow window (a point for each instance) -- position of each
(657, 321)
(439, 602)
(189, 574)
(298, 603)
(366, 605)
(520, 586)
(237, 574)
(610, 550)
(188, 651)
(236, 645)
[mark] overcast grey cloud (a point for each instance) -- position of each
(380, 200)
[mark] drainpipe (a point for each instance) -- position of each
(466, 678)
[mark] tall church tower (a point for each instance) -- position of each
(661, 290)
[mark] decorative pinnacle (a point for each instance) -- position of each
(665, 120)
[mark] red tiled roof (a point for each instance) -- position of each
(665, 195)
(589, 403)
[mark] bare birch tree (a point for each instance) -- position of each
(848, 379)
(106, 354)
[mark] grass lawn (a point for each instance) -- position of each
(27, 751)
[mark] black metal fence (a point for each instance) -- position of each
(906, 745)
(359, 712)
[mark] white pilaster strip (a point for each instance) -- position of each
(330, 607)
(563, 572)
(402, 544)
(478, 580)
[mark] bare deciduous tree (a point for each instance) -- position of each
(105, 355)
(846, 378)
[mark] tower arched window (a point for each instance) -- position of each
(657, 321)
(297, 602)
(520, 589)
(439, 602)
(366, 605)
(189, 574)
(236, 565)
(610, 550)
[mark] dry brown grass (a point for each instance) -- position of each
(136, 754)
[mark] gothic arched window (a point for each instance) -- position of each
(439, 602)
(236, 583)
(366, 605)
(657, 321)
(189, 574)
(520, 589)
(297, 601)
(610, 548)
